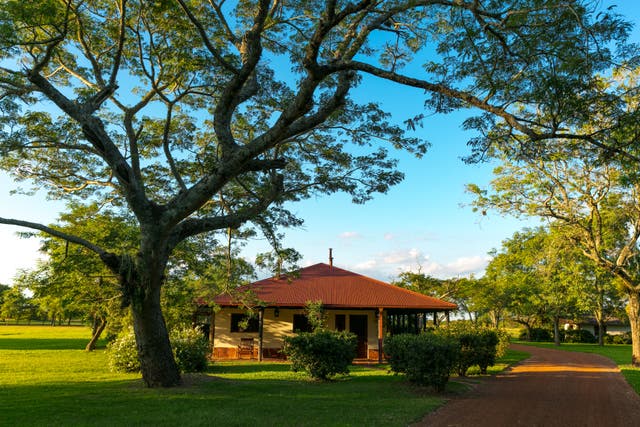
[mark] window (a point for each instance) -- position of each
(242, 323)
(301, 323)
(341, 322)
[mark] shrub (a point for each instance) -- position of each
(578, 336)
(504, 340)
(321, 354)
(396, 348)
(486, 350)
(536, 335)
(425, 359)
(190, 349)
(618, 338)
(122, 353)
(469, 345)
(478, 345)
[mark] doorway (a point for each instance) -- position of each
(358, 326)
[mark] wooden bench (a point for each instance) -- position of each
(245, 348)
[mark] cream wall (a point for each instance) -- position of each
(275, 328)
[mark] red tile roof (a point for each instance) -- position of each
(337, 288)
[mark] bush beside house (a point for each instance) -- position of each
(425, 359)
(322, 353)
(430, 358)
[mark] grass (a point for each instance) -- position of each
(46, 378)
(619, 353)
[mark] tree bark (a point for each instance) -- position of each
(556, 330)
(143, 284)
(633, 311)
(157, 364)
(601, 332)
(97, 331)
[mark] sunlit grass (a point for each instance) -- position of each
(619, 353)
(46, 378)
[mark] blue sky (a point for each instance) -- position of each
(421, 223)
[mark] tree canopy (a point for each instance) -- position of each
(592, 201)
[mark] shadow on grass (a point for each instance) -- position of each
(247, 367)
(216, 402)
(43, 343)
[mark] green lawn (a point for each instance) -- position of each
(620, 354)
(47, 379)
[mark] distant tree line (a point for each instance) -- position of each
(536, 279)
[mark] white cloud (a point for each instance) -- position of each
(350, 235)
(468, 265)
(387, 266)
(402, 256)
(389, 236)
(364, 266)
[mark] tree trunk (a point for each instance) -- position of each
(633, 311)
(97, 331)
(601, 332)
(157, 364)
(556, 330)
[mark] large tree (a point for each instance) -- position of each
(203, 116)
(532, 279)
(593, 202)
(72, 278)
(457, 290)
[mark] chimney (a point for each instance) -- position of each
(331, 258)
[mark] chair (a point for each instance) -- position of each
(245, 348)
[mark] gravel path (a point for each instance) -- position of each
(552, 388)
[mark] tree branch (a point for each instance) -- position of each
(57, 233)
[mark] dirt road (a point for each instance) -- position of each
(553, 388)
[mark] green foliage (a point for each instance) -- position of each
(504, 339)
(314, 310)
(321, 354)
(478, 345)
(577, 336)
(426, 359)
(123, 353)
(536, 335)
(15, 305)
(190, 349)
(457, 290)
(618, 338)
(397, 348)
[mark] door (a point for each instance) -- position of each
(358, 326)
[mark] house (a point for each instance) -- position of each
(367, 307)
(612, 326)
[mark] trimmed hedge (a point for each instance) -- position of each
(478, 345)
(624, 338)
(578, 336)
(426, 359)
(430, 358)
(322, 353)
(536, 335)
